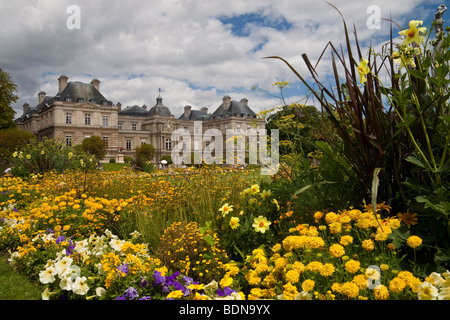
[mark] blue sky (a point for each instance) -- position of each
(195, 51)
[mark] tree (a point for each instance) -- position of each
(7, 97)
(95, 146)
(144, 154)
(11, 140)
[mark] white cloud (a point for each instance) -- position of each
(183, 47)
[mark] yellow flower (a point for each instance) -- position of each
(336, 250)
(292, 276)
(280, 84)
(397, 285)
(327, 270)
(381, 292)
(226, 281)
(352, 266)
(350, 289)
(414, 241)
(308, 285)
(346, 240)
(254, 189)
(413, 34)
(234, 222)
(363, 70)
(226, 208)
(175, 294)
(261, 224)
(368, 245)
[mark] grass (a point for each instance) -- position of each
(114, 166)
(16, 286)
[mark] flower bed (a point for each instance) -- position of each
(60, 237)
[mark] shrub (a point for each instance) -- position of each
(95, 146)
(183, 247)
(11, 140)
(144, 156)
(42, 156)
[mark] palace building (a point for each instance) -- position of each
(79, 110)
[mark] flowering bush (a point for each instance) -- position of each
(247, 225)
(344, 255)
(183, 247)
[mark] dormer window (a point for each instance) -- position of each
(80, 100)
(68, 99)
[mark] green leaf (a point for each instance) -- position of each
(436, 207)
(415, 161)
(418, 74)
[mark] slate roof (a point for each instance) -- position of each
(195, 115)
(236, 109)
(159, 109)
(134, 111)
(76, 91)
(83, 92)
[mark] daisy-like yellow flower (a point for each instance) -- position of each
(413, 34)
(226, 208)
(363, 70)
(261, 224)
(175, 294)
(234, 222)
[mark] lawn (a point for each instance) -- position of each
(16, 286)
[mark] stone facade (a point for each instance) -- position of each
(79, 111)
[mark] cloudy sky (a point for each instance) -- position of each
(196, 51)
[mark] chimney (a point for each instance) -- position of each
(119, 106)
(26, 108)
(187, 111)
(245, 101)
(204, 109)
(226, 102)
(62, 83)
(41, 96)
(96, 84)
(144, 107)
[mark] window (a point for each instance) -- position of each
(168, 144)
(105, 121)
(68, 118)
(105, 138)
(119, 125)
(185, 129)
(143, 142)
(128, 144)
(68, 99)
(238, 128)
(68, 140)
(87, 119)
(133, 126)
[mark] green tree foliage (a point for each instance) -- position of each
(95, 146)
(144, 156)
(7, 97)
(12, 139)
